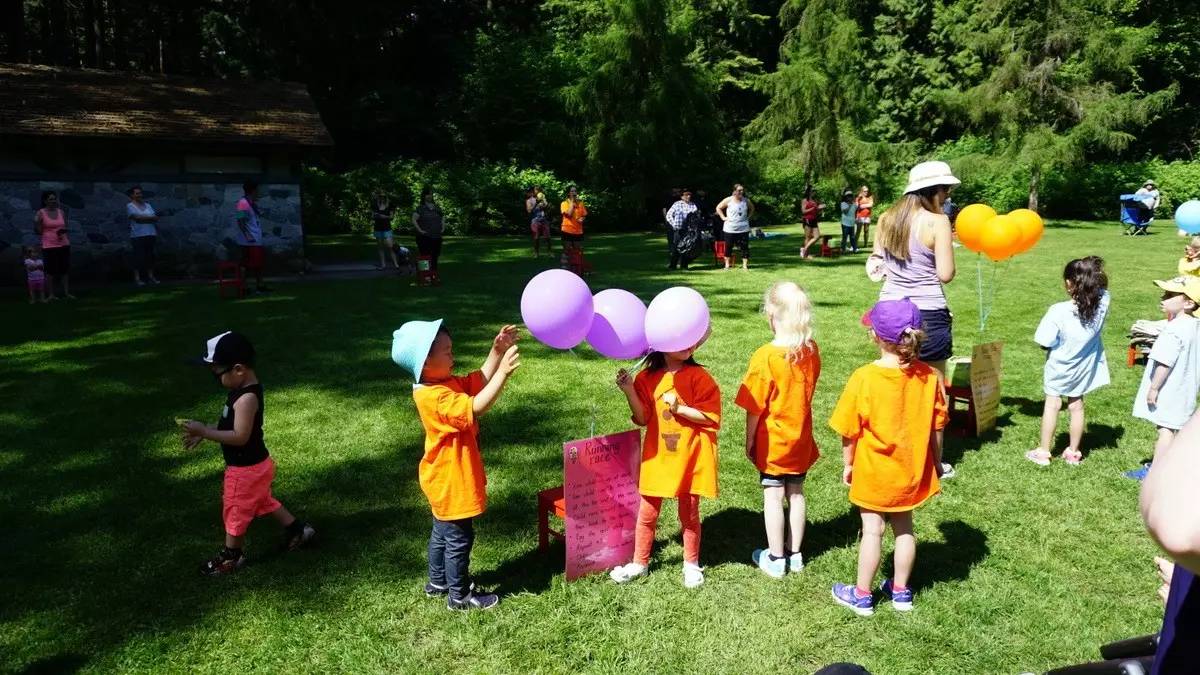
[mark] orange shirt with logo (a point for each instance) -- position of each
(451, 471)
(780, 392)
(572, 218)
(892, 413)
(679, 456)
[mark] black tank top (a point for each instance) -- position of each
(254, 451)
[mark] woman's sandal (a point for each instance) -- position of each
(1072, 457)
(1038, 456)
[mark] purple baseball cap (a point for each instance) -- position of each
(891, 318)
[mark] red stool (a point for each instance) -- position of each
(1132, 356)
(550, 501)
(828, 251)
(963, 395)
(236, 280)
(576, 263)
(719, 254)
(426, 275)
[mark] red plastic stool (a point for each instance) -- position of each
(236, 280)
(426, 275)
(828, 251)
(550, 501)
(576, 263)
(963, 395)
(719, 254)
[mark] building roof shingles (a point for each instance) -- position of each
(45, 101)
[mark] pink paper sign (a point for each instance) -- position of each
(600, 483)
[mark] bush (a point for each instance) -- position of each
(475, 199)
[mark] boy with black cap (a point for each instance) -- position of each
(249, 468)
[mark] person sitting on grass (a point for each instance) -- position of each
(776, 394)
(679, 403)
(1190, 262)
(249, 469)
(451, 470)
(1171, 381)
(888, 416)
(1075, 363)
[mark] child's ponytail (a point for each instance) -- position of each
(1086, 283)
(909, 346)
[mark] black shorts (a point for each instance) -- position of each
(569, 238)
(739, 239)
(58, 260)
(938, 325)
(143, 252)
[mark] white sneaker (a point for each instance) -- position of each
(947, 471)
(795, 562)
(772, 568)
(693, 576)
(627, 572)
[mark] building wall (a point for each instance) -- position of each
(196, 226)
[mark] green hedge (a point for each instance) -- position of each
(475, 199)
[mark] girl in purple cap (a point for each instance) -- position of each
(888, 416)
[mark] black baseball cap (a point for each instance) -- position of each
(228, 349)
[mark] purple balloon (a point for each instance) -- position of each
(619, 329)
(676, 320)
(556, 307)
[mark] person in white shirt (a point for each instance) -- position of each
(143, 232)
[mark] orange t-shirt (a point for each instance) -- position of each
(451, 471)
(781, 393)
(892, 414)
(679, 457)
(572, 219)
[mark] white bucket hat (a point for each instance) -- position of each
(928, 174)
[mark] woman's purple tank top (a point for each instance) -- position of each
(916, 279)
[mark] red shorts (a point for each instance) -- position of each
(247, 495)
(253, 257)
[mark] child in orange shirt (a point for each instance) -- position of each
(451, 470)
(777, 395)
(679, 403)
(888, 416)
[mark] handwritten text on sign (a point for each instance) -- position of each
(601, 489)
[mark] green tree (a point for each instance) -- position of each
(1063, 83)
(645, 98)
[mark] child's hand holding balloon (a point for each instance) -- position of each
(625, 381)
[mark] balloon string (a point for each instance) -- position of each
(979, 290)
(991, 297)
(593, 407)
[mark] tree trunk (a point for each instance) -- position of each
(1035, 178)
(119, 54)
(12, 16)
(91, 32)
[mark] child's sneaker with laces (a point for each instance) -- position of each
(902, 601)
(847, 596)
(474, 600)
(772, 568)
(221, 564)
(693, 575)
(795, 562)
(628, 572)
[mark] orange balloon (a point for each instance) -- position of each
(970, 223)
(1031, 228)
(1000, 238)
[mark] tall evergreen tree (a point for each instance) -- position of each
(1064, 81)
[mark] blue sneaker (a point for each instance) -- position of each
(846, 596)
(902, 601)
(772, 568)
(1138, 474)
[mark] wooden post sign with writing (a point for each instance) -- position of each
(600, 484)
(985, 384)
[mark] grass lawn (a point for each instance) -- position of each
(106, 518)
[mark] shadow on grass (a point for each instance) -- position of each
(951, 560)
(68, 662)
(956, 445)
(731, 535)
(1095, 437)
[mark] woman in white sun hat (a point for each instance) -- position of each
(915, 244)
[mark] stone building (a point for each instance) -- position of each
(190, 143)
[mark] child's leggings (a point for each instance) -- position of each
(647, 521)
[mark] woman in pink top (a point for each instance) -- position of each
(50, 222)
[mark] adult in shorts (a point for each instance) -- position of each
(250, 236)
(50, 224)
(539, 227)
(382, 213)
(573, 211)
(735, 212)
